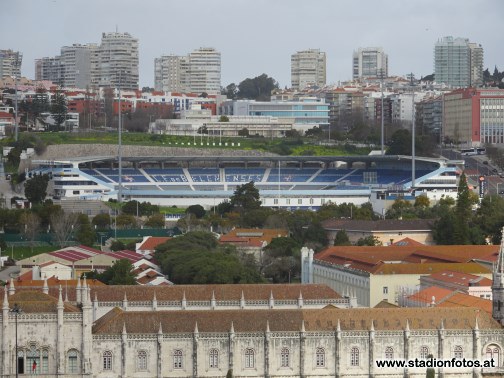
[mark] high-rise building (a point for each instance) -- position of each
(49, 69)
(198, 72)
(458, 63)
(77, 62)
(369, 62)
(308, 68)
(10, 63)
(118, 61)
(171, 73)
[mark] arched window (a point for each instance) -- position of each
(45, 361)
(458, 352)
(73, 366)
(20, 361)
(33, 360)
(389, 353)
(177, 359)
(285, 357)
(249, 358)
(424, 352)
(354, 356)
(107, 360)
(214, 358)
(493, 353)
(320, 357)
(142, 360)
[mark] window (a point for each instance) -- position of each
(72, 361)
(20, 361)
(389, 353)
(214, 358)
(493, 352)
(354, 356)
(311, 201)
(249, 358)
(300, 201)
(424, 352)
(45, 361)
(142, 360)
(320, 357)
(385, 289)
(33, 360)
(177, 359)
(107, 360)
(458, 352)
(284, 357)
(275, 201)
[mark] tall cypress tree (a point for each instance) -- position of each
(462, 212)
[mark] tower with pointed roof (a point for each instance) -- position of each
(498, 285)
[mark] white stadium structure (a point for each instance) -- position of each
(303, 182)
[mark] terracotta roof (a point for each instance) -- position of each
(132, 256)
(379, 225)
(459, 278)
(466, 300)
(406, 241)
(428, 268)
(31, 301)
(425, 295)
(291, 320)
(152, 242)
(385, 304)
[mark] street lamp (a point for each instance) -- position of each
(16, 310)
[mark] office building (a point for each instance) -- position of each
(198, 72)
(308, 68)
(118, 61)
(10, 63)
(474, 116)
(369, 62)
(458, 63)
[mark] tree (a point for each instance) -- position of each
(369, 240)
(197, 210)
(223, 118)
(259, 88)
(342, 238)
(230, 91)
(36, 188)
(117, 245)
(156, 221)
(125, 221)
(85, 233)
(243, 132)
(59, 108)
(62, 225)
(101, 221)
(246, 197)
(120, 273)
(400, 143)
(31, 223)
(463, 211)
(422, 201)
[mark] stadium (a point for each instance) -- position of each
(302, 182)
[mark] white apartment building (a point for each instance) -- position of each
(198, 72)
(10, 63)
(308, 67)
(369, 62)
(118, 61)
(458, 63)
(49, 69)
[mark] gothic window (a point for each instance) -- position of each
(354, 356)
(458, 352)
(389, 353)
(45, 361)
(33, 360)
(177, 359)
(214, 358)
(73, 361)
(20, 361)
(424, 352)
(320, 357)
(142, 360)
(249, 358)
(107, 360)
(284, 357)
(493, 352)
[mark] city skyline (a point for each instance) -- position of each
(407, 32)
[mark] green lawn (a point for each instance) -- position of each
(22, 252)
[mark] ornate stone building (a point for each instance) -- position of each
(282, 335)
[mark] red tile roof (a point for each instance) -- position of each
(466, 300)
(426, 295)
(152, 242)
(132, 256)
(463, 279)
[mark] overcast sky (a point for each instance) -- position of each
(258, 36)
